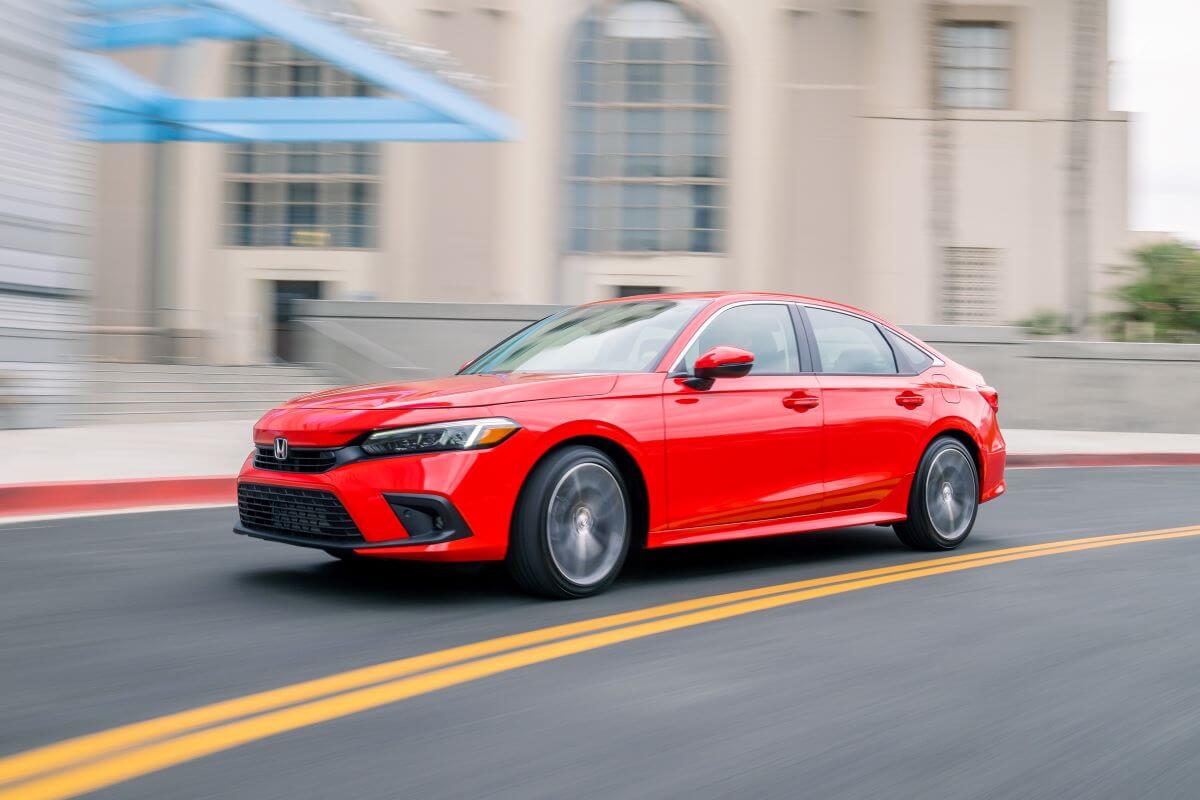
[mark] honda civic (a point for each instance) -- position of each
(649, 422)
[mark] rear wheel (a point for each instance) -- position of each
(572, 528)
(944, 498)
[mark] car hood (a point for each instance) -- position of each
(459, 391)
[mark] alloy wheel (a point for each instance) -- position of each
(587, 523)
(950, 496)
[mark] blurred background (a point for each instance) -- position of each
(210, 206)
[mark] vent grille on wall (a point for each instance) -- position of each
(971, 286)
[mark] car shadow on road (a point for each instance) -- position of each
(753, 562)
(380, 582)
(846, 547)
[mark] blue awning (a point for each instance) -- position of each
(120, 106)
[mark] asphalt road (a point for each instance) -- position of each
(1071, 675)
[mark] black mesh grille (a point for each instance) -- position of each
(311, 514)
(299, 459)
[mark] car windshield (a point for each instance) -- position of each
(608, 337)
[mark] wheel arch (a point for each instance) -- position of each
(631, 473)
(966, 438)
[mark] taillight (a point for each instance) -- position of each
(992, 397)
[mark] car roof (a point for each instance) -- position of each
(727, 298)
(733, 297)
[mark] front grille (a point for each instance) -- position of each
(310, 514)
(299, 459)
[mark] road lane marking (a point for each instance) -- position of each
(83, 748)
(88, 763)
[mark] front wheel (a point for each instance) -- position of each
(573, 525)
(944, 498)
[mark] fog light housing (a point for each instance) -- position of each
(427, 518)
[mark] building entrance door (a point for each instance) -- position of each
(286, 294)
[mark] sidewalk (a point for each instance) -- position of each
(1038, 442)
(124, 452)
(62, 471)
(193, 463)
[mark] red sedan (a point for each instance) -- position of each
(647, 422)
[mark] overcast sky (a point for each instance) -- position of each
(1155, 52)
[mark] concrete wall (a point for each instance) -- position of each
(1067, 385)
(375, 341)
(45, 183)
(1103, 386)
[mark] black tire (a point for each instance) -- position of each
(595, 506)
(942, 506)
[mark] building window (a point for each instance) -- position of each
(971, 286)
(975, 65)
(646, 139)
(299, 194)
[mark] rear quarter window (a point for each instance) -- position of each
(917, 359)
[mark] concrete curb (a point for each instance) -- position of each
(1027, 460)
(45, 499)
(76, 497)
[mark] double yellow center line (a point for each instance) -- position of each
(87, 763)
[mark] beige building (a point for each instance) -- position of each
(944, 161)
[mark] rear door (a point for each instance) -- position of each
(746, 448)
(877, 412)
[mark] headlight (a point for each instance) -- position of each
(466, 434)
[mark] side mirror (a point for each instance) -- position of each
(721, 361)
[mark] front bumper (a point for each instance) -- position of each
(469, 494)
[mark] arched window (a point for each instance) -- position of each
(298, 194)
(646, 141)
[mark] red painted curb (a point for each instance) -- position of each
(1105, 460)
(28, 499)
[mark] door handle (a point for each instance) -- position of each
(801, 402)
(909, 400)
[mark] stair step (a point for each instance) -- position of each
(120, 392)
(101, 383)
(264, 403)
(211, 390)
(258, 398)
(261, 369)
(123, 417)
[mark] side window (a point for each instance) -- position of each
(850, 344)
(918, 360)
(763, 329)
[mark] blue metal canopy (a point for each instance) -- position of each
(120, 106)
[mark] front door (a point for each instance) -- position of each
(747, 448)
(876, 417)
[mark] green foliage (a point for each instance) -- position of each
(1045, 322)
(1164, 292)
